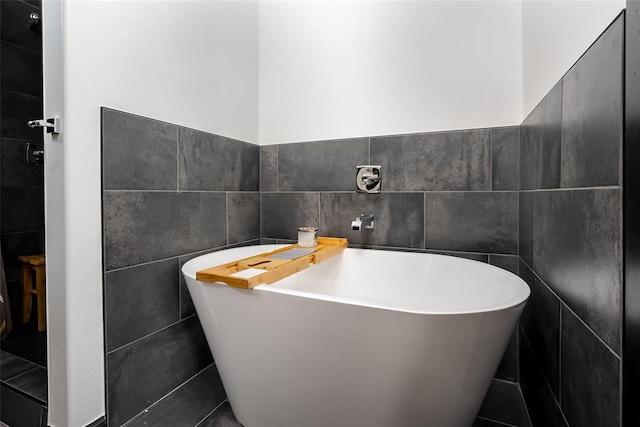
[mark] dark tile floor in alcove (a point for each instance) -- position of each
(23, 361)
(26, 342)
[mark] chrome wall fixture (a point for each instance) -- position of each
(368, 179)
(52, 125)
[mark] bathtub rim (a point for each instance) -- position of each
(522, 296)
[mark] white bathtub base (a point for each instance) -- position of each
(291, 361)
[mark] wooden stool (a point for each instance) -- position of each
(31, 264)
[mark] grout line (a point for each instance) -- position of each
(490, 160)
(518, 351)
(149, 334)
(603, 187)
(564, 304)
(23, 232)
(561, 89)
(142, 264)
(277, 168)
(21, 93)
(166, 395)
(496, 421)
(6, 380)
(170, 191)
(226, 207)
(544, 376)
(180, 291)
(178, 158)
(560, 358)
(209, 414)
(505, 381)
(391, 191)
(524, 402)
(200, 252)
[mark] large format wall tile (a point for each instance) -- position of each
(15, 23)
(508, 368)
(504, 158)
(143, 372)
(540, 135)
(321, 165)
(590, 377)
(457, 160)
(22, 209)
(14, 171)
(186, 303)
(21, 70)
(17, 109)
(592, 113)
(474, 222)
(140, 300)
(211, 162)
(283, 213)
(399, 218)
(577, 252)
(147, 226)
(243, 216)
(540, 320)
(506, 262)
(525, 228)
(138, 153)
(269, 168)
(541, 404)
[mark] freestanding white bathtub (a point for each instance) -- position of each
(368, 338)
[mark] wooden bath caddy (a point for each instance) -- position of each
(274, 268)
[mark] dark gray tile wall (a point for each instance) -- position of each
(570, 231)
(453, 193)
(21, 185)
(472, 221)
(210, 162)
(540, 135)
(169, 194)
(320, 166)
(441, 161)
(592, 131)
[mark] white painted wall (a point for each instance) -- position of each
(193, 63)
(554, 36)
(357, 68)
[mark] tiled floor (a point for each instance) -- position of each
(192, 405)
(25, 377)
(23, 399)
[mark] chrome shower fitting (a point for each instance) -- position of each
(363, 221)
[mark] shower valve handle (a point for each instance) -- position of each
(52, 125)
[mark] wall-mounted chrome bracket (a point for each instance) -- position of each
(52, 125)
(368, 179)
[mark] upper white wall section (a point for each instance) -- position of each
(193, 63)
(554, 35)
(357, 68)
